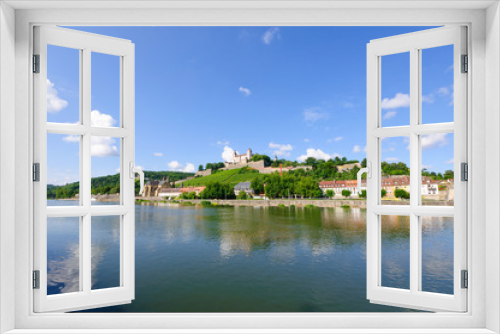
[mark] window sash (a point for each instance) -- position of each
(413, 43)
(85, 298)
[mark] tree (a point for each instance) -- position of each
(330, 193)
(346, 193)
(200, 167)
(242, 195)
(383, 192)
(401, 193)
(258, 157)
(218, 190)
(257, 185)
(310, 161)
(363, 194)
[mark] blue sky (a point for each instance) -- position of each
(202, 92)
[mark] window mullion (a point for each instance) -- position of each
(415, 247)
(85, 179)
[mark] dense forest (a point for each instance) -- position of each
(109, 184)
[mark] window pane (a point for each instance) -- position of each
(106, 175)
(395, 81)
(105, 252)
(395, 178)
(63, 169)
(105, 90)
(63, 84)
(437, 84)
(395, 248)
(437, 254)
(63, 255)
(437, 169)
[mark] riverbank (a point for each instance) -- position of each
(322, 203)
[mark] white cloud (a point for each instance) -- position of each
(245, 91)
(433, 140)
(223, 142)
(312, 115)
(348, 105)
(72, 139)
(451, 161)
(157, 154)
(102, 120)
(358, 148)
(338, 138)
(189, 168)
(444, 91)
(428, 98)
(54, 102)
(318, 154)
(270, 35)
(306, 140)
(103, 147)
(99, 146)
(228, 154)
(176, 166)
(399, 101)
(391, 159)
(390, 114)
(281, 150)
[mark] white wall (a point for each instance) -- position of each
(7, 159)
(492, 148)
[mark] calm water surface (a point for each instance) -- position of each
(244, 259)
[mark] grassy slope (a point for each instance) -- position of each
(233, 177)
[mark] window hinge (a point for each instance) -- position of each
(464, 171)
(36, 172)
(36, 279)
(36, 63)
(465, 279)
(465, 64)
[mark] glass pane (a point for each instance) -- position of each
(437, 169)
(105, 90)
(395, 170)
(395, 81)
(105, 184)
(105, 252)
(63, 169)
(395, 248)
(63, 84)
(437, 84)
(63, 255)
(437, 254)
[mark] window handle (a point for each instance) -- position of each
(368, 172)
(133, 171)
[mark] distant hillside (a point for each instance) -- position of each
(231, 177)
(109, 184)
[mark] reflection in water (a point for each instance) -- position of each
(63, 249)
(246, 259)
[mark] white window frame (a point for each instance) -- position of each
(484, 103)
(86, 44)
(414, 43)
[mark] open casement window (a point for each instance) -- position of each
(413, 290)
(90, 136)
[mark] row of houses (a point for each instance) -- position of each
(431, 188)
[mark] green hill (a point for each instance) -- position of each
(109, 184)
(231, 177)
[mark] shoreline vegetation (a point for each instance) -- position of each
(306, 203)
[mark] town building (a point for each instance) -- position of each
(152, 188)
(245, 187)
(430, 189)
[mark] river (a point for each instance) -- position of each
(249, 259)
